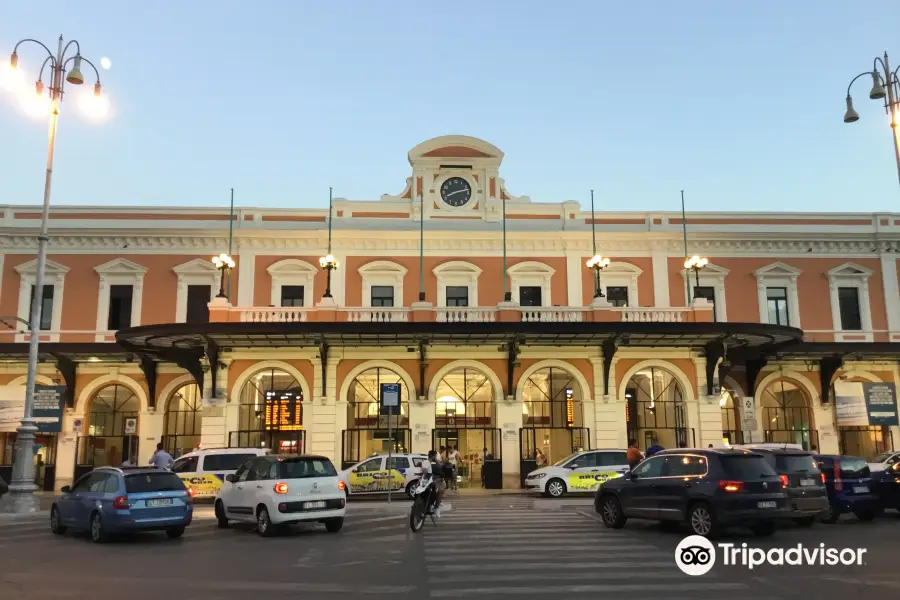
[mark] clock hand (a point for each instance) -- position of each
(456, 192)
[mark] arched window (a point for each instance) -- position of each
(368, 431)
(786, 416)
(552, 416)
(655, 410)
(270, 414)
(183, 420)
(113, 426)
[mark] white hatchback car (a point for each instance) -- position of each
(278, 490)
(582, 472)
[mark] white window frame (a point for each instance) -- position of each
(292, 271)
(382, 272)
(531, 273)
(194, 272)
(118, 271)
(55, 275)
(620, 274)
(851, 275)
(711, 276)
(457, 273)
(781, 275)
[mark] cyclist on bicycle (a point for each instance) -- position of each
(433, 467)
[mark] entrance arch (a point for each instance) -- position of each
(656, 406)
(786, 411)
(183, 419)
(112, 425)
(270, 409)
(368, 431)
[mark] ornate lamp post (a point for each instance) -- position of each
(886, 86)
(597, 262)
(224, 264)
(696, 263)
(329, 262)
(62, 68)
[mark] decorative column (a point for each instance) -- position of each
(323, 419)
(218, 418)
(610, 426)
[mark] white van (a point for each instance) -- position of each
(203, 471)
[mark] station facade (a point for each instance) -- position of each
(498, 342)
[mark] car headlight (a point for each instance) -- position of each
(536, 476)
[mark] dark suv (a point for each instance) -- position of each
(801, 478)
(709, 489)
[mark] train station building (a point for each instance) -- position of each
(478, 302)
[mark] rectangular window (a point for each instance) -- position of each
(776, 302)
(382, 296)
(292, 295)
(198, 297)
(617, 296)
(144, 483)
(848, 302)
(457, 295)
(530, 295)
(120, 302)
(46, 307)
(708, 292)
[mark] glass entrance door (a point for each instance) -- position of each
(543, 446)
(474, 447)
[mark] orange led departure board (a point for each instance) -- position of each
(282, 411)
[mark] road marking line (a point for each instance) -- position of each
(589, 588)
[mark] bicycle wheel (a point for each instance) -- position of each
(417, 515)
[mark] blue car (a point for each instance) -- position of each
(850, 487)
(113, 500)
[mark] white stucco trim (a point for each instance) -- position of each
(778, 274)
(268, 365)
(119, 271)
(496, 384)
(850, 275)
(531, 273)
(686, 387)
(891, 290)
(411, 392)
(382, 272)
(163, 397)
(55, 275)
(713, 276)
(246, 276)
(292, 271)
(622, 274)
(90, 390)
(194, 272)
(586, 390)
(457, 273)
(38, 379)
(660, 279)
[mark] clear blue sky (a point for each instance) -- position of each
(740, 103)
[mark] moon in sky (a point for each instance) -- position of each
(105, 63)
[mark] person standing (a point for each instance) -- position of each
(539, 459)
(633, 454)
(161, 459)
(453, 463)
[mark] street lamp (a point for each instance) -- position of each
(62, 69)
(224, 264)
(696, 263)
(597, 263)
(329, 263)
(886, 86)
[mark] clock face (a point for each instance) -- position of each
(456, 191)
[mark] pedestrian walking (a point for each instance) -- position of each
(161, 459)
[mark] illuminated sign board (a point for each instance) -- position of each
(283, 411)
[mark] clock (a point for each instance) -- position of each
(456, 192)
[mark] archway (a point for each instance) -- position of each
(655, 409)
(368, 430)
(730, 399)
(270, 411)
(113, 428)
(861, 438)
(786, 414)
(183, 420)
(553, 422)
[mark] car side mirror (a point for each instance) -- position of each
(572, 466)
(66, 489)
(229, 478)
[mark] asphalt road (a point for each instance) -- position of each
(485, 547)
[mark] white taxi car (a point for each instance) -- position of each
(203, 471)
(375, 476)
(883, 461)
(582, 472)
(283, 489)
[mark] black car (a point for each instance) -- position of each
(708, 489)
(887, 485)
(801, 478)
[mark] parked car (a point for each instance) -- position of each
(203, 471)
(371, 476)
(277, 490)
(887, 486)
(111, 500)
(850, 487)
(801, 478)
(581, 472)
(708, 489)
(883, 461)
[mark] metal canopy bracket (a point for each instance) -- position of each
(212, 355)
(828, 366)
(513, 351)
(148, 367)
(423, 365)
(609, 351)
(714, 352)
(754, 366)
(323, 358)
(67, 368)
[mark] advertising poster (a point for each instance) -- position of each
(850, 404)
(881, 403)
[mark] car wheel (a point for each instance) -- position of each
(98, 535)
(702, 520)
(56, 525)
(611, 512)
(763, 529)
(556, 488)
(221, 519)
(830, 516)
(334, 525)
(175, 532)
(865, 515)
(264, 523)
(805, 521)
(411, 489)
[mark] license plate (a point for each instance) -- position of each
(767, 504)
(807, 482)
(159, 502)
(316, 504)
(861, 489)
